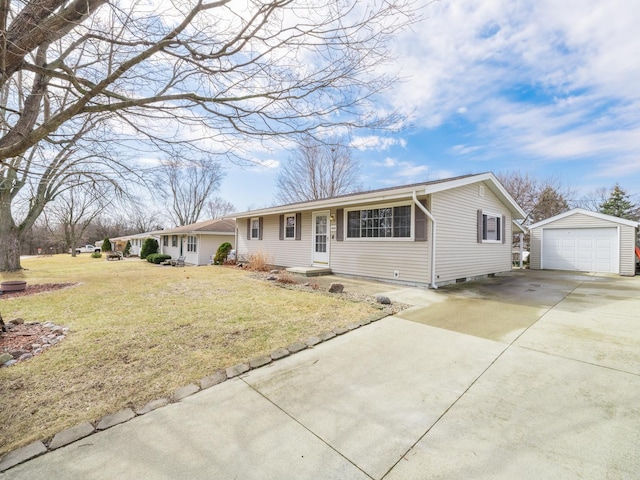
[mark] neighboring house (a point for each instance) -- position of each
(198, 242)
(388, 234)
(119, 243)
(585, 241)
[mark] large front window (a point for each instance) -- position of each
(385, 222)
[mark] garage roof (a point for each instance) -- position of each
(588, 213)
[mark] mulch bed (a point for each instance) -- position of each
(21, 337)
(33, 289)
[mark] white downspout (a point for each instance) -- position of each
(433, 240)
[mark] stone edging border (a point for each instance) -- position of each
(73, 434)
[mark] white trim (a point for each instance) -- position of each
(284, 226)
(313, 238)
(251, 220)
(499, 230)
(589, 213)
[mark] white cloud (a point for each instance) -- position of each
(374, 142)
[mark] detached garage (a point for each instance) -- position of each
(584, 241)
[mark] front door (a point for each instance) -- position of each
(320, 238)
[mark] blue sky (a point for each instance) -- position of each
(544, 87)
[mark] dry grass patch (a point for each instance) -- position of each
(139, 331)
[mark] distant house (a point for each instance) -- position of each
(581, 240)
(389, 234)
(197, 242)
(119, 243)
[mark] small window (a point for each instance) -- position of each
(165, 240)
(174, 240)
(191, 243)
(289, 226)
(255, 228)
(491, 228)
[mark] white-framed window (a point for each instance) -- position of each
(192, 243)
(165, 240)
(255, 228)
(491, 227)
(174, 240)
(385, 221)
(290, 226)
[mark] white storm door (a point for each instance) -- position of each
(320, 238)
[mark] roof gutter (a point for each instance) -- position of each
(433, 240)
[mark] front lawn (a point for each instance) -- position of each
(139, 331)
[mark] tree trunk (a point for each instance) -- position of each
(9, 240)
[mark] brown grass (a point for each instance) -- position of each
(259, 261)
(139, 331)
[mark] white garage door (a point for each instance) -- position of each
(581, 249)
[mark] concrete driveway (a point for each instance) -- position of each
(527, 375)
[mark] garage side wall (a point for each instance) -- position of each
(578, 220)
(459, 255)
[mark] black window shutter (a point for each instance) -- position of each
(420, 222)
(298, 226)
(504, 229)
(281, 227)
(248, 229)
(260, 228)
(479, 226)
(340, 224)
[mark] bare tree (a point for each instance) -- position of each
(75, 210)
(186, 186)
(209, 78)
(539, 198)
(318, 170)
(219, 207)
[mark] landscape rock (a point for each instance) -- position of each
(383, 300)
(153, 405)
(16, 321)
(327, 336)
(279, 353)
(311, 341)
(340, 330)
(336, 288)
(353, 326)
(5, 357)
(10, 363)
(184, 392)
(259, 361)
(25, 356)
(236, 370)
(23, 454)
(295, 347)
(218, 377)
(112, 419)
(71, 435)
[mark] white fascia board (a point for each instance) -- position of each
(589, 213)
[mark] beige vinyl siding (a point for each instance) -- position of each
(459, 255)
(283, 253)
(208, 246)
(578, 220)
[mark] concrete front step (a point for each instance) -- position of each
(310, 271)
